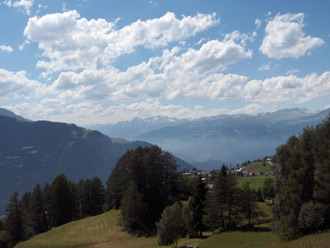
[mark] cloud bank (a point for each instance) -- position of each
(81, 61)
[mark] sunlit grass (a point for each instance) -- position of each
(104, 231)
(97, 232)
(256, 182)
(241, 239)
(257, 167)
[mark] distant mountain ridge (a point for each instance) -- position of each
(5, 112)
(227, 138)
(131, 130)
(35, 152)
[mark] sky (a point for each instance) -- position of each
(102, 61)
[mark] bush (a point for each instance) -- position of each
(310, 217)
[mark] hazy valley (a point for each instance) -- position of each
(229, 139)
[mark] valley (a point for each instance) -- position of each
(228, 139)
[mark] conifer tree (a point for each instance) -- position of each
(212, 218)
(118, 180)
(225, 198)
(4, 236)
(288, 189)
(97, 196)
(49, 205)
(14, 220)
(75, 200)
(25, 205)
(38, 212)
(86, 201)
(62, 200)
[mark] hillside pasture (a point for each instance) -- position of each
(258, 167)
(255, 181)
(239, 239)
(104, 231)
(94, 232)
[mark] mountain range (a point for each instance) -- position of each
(34, 152)
(226, 139)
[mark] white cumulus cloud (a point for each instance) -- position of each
(288, 88)
(285, 38)
(17, 85)
(175, 74)
(94, 43)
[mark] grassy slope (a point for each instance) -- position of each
(258, 167)
(241, 240)
(104, 231)
(264, 240)
(93, 232)
(255, 182)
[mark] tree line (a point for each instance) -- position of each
(49, 206)
(302, 203)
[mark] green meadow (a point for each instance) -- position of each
(94, 232)
(257, 167)
(255, 181)
(104, 231)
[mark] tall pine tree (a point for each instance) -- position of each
(14, 220)
(61, 200)
(38, 211)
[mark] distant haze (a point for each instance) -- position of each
(228, 139)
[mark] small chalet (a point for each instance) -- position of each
(269, 173)
(245, 173)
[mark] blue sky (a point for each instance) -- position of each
(89, 62)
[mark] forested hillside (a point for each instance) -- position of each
(35, 152)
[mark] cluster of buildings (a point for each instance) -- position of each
(239, 171)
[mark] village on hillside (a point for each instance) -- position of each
(260, 167)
